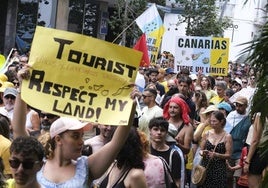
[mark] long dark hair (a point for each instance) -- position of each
(131, 155)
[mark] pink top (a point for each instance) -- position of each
(154, 172)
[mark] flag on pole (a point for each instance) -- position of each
(142, 46)
(149, 20)
(151, 24)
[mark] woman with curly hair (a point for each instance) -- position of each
(128, 168)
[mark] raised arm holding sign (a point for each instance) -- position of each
(47, 88)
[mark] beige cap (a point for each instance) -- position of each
(210, 108)
(241, 100)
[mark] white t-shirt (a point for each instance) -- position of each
(95, 142)
(146, 115)
(234, 118)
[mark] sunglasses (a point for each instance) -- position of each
(244, 82)
(144, 96)
(16, 83)
(49, 116)
(238, 105)
(10, 97)
(14, 163)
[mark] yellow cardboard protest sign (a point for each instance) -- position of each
(153, 43)
(80, 76)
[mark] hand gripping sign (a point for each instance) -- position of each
(80, 76)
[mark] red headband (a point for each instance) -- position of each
(185, 110)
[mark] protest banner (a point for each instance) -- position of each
(80, 76)
(151, 24)
(206, 54)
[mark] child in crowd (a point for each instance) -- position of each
(243, 179)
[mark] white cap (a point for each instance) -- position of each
(210, 108)
(193, 76)
(238, 80)
(63, 124)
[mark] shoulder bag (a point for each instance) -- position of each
(169, 181)
(199, 172)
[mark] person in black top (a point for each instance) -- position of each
(152, 74)
(128, 168)
(184, 86)
(158, 132)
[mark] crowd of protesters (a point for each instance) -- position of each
(181, 120)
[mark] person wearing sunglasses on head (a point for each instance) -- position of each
(26, 159)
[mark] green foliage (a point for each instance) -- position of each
(259, 59)
(158, 2)
(118, 21)
(202, 18)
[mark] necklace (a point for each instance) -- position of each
(216, 137)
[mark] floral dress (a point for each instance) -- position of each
(80, 178)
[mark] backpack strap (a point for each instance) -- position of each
(170, 157)
(168, 175)
(180, 128)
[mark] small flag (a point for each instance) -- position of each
(149, 20)
(142, 46)
(151, 24)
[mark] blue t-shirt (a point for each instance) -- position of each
(80, 178)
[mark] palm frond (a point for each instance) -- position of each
(258, 50)
(259, 59)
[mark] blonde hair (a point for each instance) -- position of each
(48, 144)
(145, 143)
